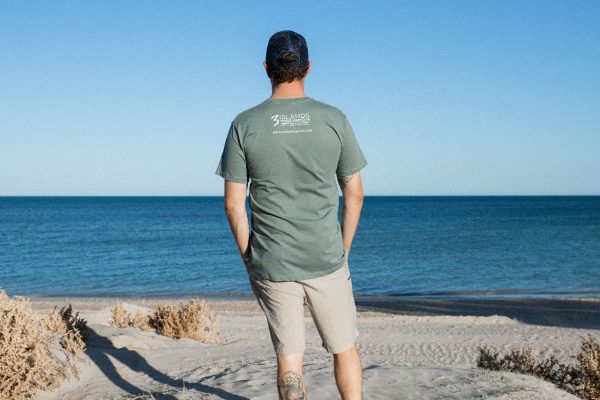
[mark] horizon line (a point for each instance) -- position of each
(366, 195)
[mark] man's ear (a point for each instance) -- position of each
(266, 68)
(308, 69)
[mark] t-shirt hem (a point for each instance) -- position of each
(291, 278)
(232, 178)
(353, 170)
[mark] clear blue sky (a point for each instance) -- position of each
(446, 97)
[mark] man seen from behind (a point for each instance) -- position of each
(292, 149)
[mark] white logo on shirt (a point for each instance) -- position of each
(291, 119)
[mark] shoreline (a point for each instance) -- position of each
(582, 313)
(357, 296)
(468, 295)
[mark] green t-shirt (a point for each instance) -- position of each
(291, 151)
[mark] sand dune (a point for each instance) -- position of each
(404, 357)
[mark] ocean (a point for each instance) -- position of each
(405, 246)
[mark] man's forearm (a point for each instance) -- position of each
(238, 222)
(350, 217)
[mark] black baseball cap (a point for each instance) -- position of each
(287, 42)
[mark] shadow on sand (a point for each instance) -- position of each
(566, 313)
(99, 348)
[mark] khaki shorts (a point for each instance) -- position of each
(331, 304)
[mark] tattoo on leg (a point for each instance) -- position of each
(344, 180)
(291, 386)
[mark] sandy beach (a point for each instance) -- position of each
(411, 349)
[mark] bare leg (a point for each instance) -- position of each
(290, 383)
(348, 374)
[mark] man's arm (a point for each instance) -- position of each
(352, 192)
(235, 208)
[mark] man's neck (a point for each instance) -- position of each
(287, 90)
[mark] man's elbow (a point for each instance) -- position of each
(232, 208)
(235, 198)
(360, 198)
(356, 197)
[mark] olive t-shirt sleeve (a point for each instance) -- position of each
(232, 165)
(352, 158)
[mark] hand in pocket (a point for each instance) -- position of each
(246, 261)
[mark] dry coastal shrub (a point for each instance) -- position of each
(589, 362)
(27, 362)
(582, 380)
(120, 316)
(516, 361)
(71, 329)
(142, 321)
(192, 319)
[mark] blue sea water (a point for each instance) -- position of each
(456, 246)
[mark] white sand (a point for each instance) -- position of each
(404, 357)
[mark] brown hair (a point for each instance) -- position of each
(281, 74)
